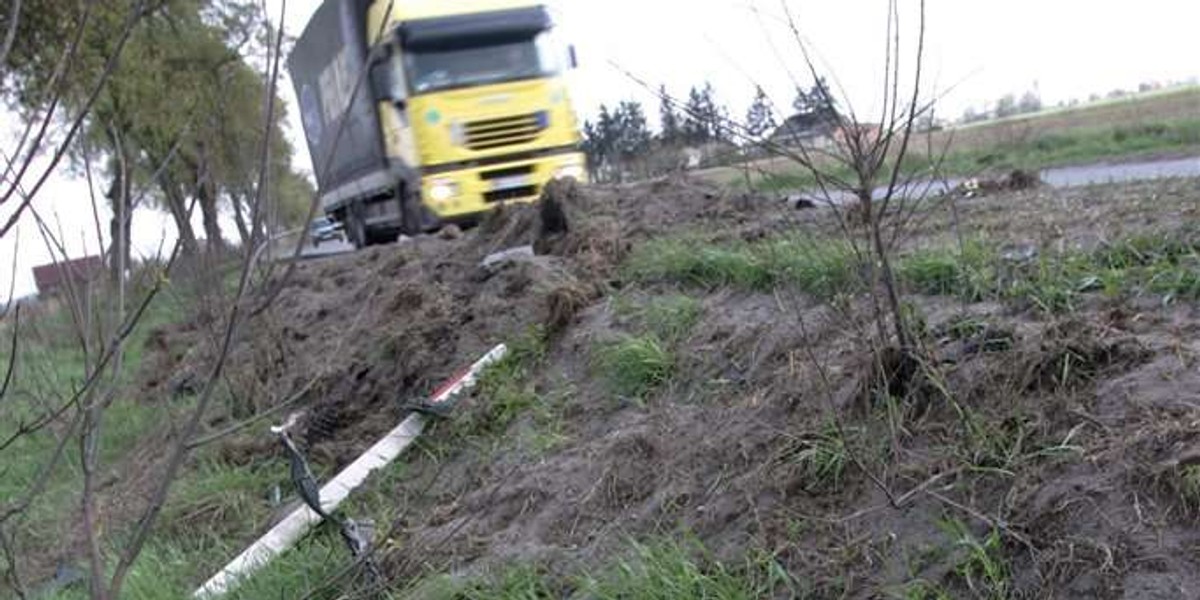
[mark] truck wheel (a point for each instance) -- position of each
(356, 228)
(412, 220)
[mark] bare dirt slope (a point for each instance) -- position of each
(1052, 451)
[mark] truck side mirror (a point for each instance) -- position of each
(386, 83)
(573, 60)
(381, 84)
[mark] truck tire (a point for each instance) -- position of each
(412, 221)
(375, 238)
(356, 227)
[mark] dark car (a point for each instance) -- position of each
(324, 229)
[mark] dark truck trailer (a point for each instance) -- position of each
(330, 69)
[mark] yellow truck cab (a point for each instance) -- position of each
(422, 112)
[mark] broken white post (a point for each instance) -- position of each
(284, 534)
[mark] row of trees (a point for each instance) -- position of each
(178, 120)
(621, 135)
(1031, 102)
(1007, 106)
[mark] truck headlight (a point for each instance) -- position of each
(569, 172)
(441, 190)
(572, 170)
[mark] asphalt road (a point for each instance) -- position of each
(328, 248)
(1059, 177)
(1121, 172)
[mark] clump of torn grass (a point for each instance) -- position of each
(635, 365)
(821, 459)
(981, 565)
(1189, 486)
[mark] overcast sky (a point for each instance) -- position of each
(976, 51)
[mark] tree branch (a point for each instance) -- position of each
(77, 123)
(11, 35)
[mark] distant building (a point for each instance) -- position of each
(819, 131)
(867, 134)
(53, 278)
(813, 130)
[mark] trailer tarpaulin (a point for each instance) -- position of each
(326, 65)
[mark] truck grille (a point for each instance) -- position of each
(507, 172)
(521, 193)
(488, 134)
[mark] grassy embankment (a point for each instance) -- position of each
(209, 511)
(217, 507)
(677, 566)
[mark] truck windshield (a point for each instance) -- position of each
(433, 70)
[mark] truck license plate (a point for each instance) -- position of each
(511, 182)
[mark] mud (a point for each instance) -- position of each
(1061, 434)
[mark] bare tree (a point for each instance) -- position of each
(105, 312)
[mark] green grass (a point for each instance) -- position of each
(518, 582)
(213, 509)
(1189, 486)
(227, 499)
(1167, 265)
(790, 181)
(660, 569)
(50, 368)
(1078, 146)
(670, 317)
(968, 273)
(692, 262)
(635, 365)
(921, 590)
(505, 393)
(212, 512)
(981, 565)
(817, 266)
(670, 570)
(216, 509)
(170, 570)
(822, 459)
